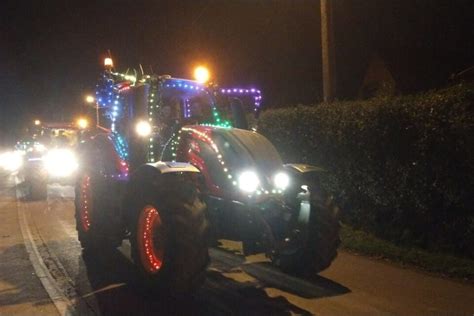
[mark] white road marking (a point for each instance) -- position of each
(62, 303)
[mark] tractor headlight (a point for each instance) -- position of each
(143, 128)
(281, 181)
(11, 161)
(248, 181)
(60, 162)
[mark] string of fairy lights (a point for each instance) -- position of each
(254, 93)
(109, 96)
(154, 104)
(204, 136)
(120, 145)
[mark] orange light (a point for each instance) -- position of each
(82, 123)
(90, 99)
(108, 62)
(201, 74)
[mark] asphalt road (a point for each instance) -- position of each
(39, 250)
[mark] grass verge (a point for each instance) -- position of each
(444, 264)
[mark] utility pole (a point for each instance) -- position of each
(327, 46)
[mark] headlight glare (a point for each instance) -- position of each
(281, 181)
(11, 161)
(143, 128)
(248, 181)
(60, 162)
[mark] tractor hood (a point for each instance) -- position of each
(244, 149)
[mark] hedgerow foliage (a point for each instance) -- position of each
(402, 168)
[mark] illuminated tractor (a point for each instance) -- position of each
(177, 164)
(49, 156)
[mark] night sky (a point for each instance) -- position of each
(51, 51)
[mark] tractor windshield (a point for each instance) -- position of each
(185, 100)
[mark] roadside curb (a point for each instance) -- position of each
(60, 301)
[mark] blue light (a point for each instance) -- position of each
(120, 145)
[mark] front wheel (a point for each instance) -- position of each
(169, 236)
(322, 240)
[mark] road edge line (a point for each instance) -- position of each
(60, 301)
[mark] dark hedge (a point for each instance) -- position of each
(402, 168)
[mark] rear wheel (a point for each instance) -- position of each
(92, 211)
(169, 236)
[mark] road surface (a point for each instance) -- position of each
(43, 271)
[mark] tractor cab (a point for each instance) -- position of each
(185, 100)
(192, 103)
(241, 107)
(181, 102)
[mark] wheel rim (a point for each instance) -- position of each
(151, 239)
(86, 202)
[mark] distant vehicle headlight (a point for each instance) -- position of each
(11, 161)
(82, 123)
(39, 147)
(143, 128)
(281, 181)
(248, 181)
(60, 162)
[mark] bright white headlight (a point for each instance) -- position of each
(143, 128)
(248, 181)
(39, 147)
(281, 181)
(60, 162)
(11, 161)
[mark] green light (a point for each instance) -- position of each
(221, 125)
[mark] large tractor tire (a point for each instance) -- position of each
(36, 184)
(322, 239)
(37, 189)
(169, 233)
(95, 228)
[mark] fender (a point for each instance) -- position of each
(173, 167)
(303, 168)
(152, 174)
(304, 176)
(148, 174)
(100, 152)
(305, 179)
